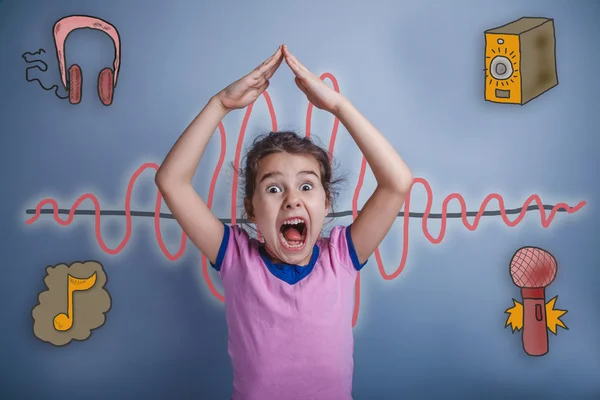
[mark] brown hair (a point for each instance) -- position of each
(284, 142)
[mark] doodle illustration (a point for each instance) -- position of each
(74, 304)
(72, 79)
(547, 212)
(533, 269)
(520, 60)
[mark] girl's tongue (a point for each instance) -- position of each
(292, 235)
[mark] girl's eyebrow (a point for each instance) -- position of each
(274, 173)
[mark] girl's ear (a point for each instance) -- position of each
(249, 211)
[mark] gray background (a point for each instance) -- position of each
(415, 70)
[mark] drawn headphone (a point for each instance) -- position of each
(72, 82)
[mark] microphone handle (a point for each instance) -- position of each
(535, 330)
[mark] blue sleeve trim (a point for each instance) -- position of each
(352, 251)
(224, 242)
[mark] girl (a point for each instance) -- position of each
(289, 299)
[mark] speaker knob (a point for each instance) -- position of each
(501, 68)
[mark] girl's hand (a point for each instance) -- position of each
(316, 91)
(246, 90)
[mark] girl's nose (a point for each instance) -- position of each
(292, 202)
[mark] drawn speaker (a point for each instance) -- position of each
(520, 60)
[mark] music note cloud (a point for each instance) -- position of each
(74, 304)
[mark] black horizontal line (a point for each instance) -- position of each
(331, 215)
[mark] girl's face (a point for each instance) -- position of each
(288, 186)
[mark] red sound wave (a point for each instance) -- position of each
(545, 220)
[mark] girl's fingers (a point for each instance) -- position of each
(259, 82)
(263, 87)
(293, 66)
(298, 69)
(265, 75)
(268, 63)
(274, 68)
(294, 60)
(271, 67)
(300, 84)
(275, 57)
(275, 65)
(288, 58)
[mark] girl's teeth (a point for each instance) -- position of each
(293, 221)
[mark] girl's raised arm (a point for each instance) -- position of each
(174, 176)
(394, 178)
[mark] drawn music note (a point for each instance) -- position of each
(64, 322)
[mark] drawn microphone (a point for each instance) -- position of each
(532, 269)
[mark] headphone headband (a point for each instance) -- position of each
(64, 26)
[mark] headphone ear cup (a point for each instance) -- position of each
(105, 86)
(75, 81)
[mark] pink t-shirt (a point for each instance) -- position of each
(290, 327)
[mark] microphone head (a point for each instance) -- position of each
(532, 267)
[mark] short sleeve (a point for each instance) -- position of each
(341, 245)
(235, 247)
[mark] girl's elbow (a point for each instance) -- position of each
(161, 178)
(406, 182)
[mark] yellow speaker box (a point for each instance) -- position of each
(520, 60)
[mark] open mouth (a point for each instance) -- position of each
(292, 233)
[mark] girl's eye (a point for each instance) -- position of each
(307, 184)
